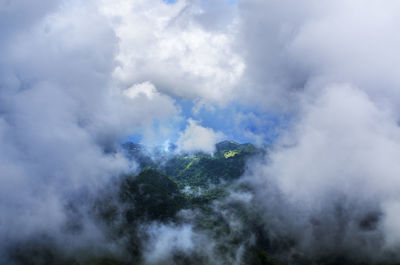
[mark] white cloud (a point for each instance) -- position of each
(164, 240)
(196, 138)
(303, 46)
(342, 154)
(62, 117)
(146, 89)
(165, 45)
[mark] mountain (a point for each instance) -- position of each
(151, 195)
(199, 169)
(176, 191)
(169, 183)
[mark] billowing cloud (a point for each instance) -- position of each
(62, 117)
(304, 46)
(167, 45)
(166, 240)
(197, 138)
(329, 66)
(336, 171)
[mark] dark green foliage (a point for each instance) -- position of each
(101, 261)
(37, 253)
(45, 251)
(151, 195)
(262, 258)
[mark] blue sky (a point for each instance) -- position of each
(206, 1)
(235, 121)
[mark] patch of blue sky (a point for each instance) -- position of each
(170, 2)
(244, 124)
(239, 123)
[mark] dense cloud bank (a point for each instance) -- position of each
(61, 116)
(337, 167)
(332, 177)
(76, 78)
(302, 47)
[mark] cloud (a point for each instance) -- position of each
(168, 46)
(165, 240)
(62, 118)
(329, 67)
(196, 138)
(304, 46)
(337, 166)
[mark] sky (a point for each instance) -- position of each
(318, 81)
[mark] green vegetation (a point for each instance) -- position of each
(182, 181)
(101, 261)
(166, 187)
(150, 195)
(231, 153)
(202, 170)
